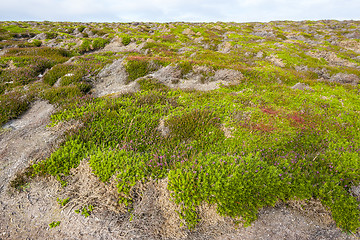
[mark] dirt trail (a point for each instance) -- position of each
(24, 139)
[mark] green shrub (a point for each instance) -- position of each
(85, 211)
(185, 67)
(99, 43)
(63, 202)
(237, 188)
(150, 84)
(59, 95)
(89, 45)
(12, 104)
(136, 69)
(85, 46)
(57, 72)
(51, 35)
(196, 124)
(54, 224)
(58, 54)
(68, 156)
(19, 76)
(81, 28)
(126, 40)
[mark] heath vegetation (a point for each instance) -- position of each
(241, 147)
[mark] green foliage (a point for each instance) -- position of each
(63, 202)
(54, 224)
(136, 69)
(241, 147)
(21, 180)
(85, 211)
(58, 54)
(85, 46)
(34, 43)
(239, 187)
(126, 40)
(12, 104)
(57, 72)
(92, 44)
(68, 156)
(81, 28)
(58, 95)
(99, 43)
(14, 29)
(195, 125)
(150, 84)
(185, 67)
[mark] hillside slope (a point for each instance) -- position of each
(180, 130)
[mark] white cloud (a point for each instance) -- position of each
(177, 10)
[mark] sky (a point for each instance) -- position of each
(178, 10)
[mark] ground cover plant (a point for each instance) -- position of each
(240, 147)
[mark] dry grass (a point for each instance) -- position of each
(313, 209)
(84, 188)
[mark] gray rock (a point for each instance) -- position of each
(354, 35)
(79, 35)
(301, 86)
(296, 37)
(188, 31)
(113, 79)
(168, 74)
(345, 78)
(60, 37)
(41, 36)
(227, 75)
(259, 54)
(267, 34)
(88, 32)
(164, 130)
(356, 191)
(183, 50)
(198, 40)
(76, 31)
(225, 47)
(323, 73)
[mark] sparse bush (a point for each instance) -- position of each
(12, 104)
(194, 125)
(57, 72)
(136, 69)
(94, 44)
(59, 95)
(126, 40)
(99, 43)
(149, 84)
(54, 224)
(85, 46)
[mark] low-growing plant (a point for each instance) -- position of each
(241, 147)
(54, 224)
(136, 69)
(195, 125)
(63, 202)
(12, 104)
(85, 211)
(21, 179)
(150, 84)
(58, 95)
(126, 40)
(92, 44)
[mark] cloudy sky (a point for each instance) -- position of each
(178, 10)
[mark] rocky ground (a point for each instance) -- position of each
(326, 51)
